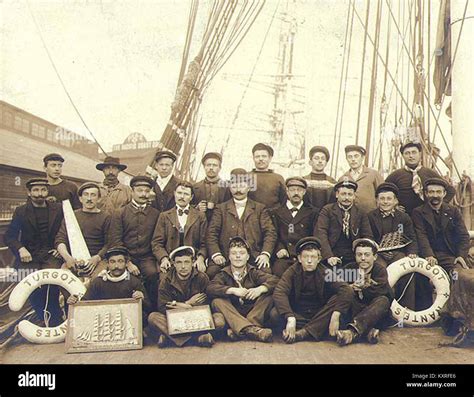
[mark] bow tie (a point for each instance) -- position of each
(181, 212)
(294, 209)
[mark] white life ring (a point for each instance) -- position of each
(22, 291)
(438, 277)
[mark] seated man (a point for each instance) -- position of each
(373, 295)
(309, 301)
(182, 287)
(242, 293)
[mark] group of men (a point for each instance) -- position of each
(264, 252)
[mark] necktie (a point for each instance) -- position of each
(416, 183)
(346, 220)
(181, 212)
(294, 210)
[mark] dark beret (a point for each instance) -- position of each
(53, 157)
(355, 148)
(36, 182)
(212, 155)
(141, 180)
(410, 144)
(346, 183)
(309, 242)
(263, 146)
(165, 154)
(116, 251)
(321, 149)
(387, 187)
(85, 186)
(296, 181)
(436, 181)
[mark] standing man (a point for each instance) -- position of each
(212, 190)
(320, 185)
(165, 181)
(310, 303)
(367, 178)
(182, 225)
(241, 217)
(293, 221)
(269, 187)
(113, 194)
(59, 189)
(132, 227)
(339, 224)
(411, 178)
(30, 236)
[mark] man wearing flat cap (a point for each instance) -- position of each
(372, 296)
(212, 190)
(367, 178)
(244, 217)
(165, 181)
(293, 221)
(113, 194)
(243, 294)
(339, 224)
(59, 189)
(411, 178)
(182, 287)
(269, 187)
(320, 185)
(132, 226)
(310, 302)
(30, 237)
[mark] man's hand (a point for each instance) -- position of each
(138, 295)
(283, 253)
(290, 330)
(460, 260)
(432, 260)
(262, 261)
(70, 263)
(401, 208)
(240, 292)
(133, 269)
(91, 264)
(254, 293)
(197, 299)
(72, 300)
(413, 256)
(200, 264)
(219, 260)
(202, 206)
(165, 264)
(334, 324)
(334, 260)
(25, 255)
(177, 305)
(55, 253)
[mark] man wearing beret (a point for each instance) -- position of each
(212, 190)
(113, 194)
(320, 185)
(372, 296)
(59, 189)
(293, 221)
(242, 217)
(411, 178)
(243, 294)
(307, 299)
(367, 178)
(269, 187)
(30, 236)
(132, 227)
(339, 224)
(165, 181)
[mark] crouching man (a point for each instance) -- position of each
(373, 295)
(307, 297)
(182, 287)
(242, 293)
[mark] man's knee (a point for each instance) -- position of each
(219, 320)
(218, 303)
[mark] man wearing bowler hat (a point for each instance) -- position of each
(113, 194)
(165, 181)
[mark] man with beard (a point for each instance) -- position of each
(241, 217)
(293, 221)
(182, 225)
(339, 224)
(269, 187)
(132, 227)
(320, 186)
(113, 194)
(211, 190)
(411, 178)
(59, 189)
(366, 178)
(307, 299)
(165, 181)
(30, 236)
(94, 225)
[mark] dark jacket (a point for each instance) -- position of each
(257, 228)
(23, 230)
(456, 236)
(134, 229)
(170, 289)
(401, 220)
(382, 288)
(289, 229)
(287, 294)
(166, 234)
(199, 191)
(164, 200)
(329, 227)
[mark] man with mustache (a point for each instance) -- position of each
(59, 189)
(182, 225)
(243, 217)
(339, 224)
(113, 194)
(30, 236)
(165, 181)
(293, 221)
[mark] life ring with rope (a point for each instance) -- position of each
(63, 278)
(440, 280)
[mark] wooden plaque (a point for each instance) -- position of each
(181, 321)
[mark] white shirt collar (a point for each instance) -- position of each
(290, 206)
(162, 182)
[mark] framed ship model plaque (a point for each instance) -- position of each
(181, 321)
(104, 325)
